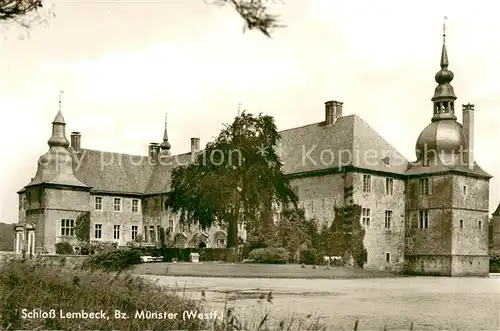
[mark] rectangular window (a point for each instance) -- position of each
(116, 232)
(98, 203)
(365, 212)
(388, 257)
(67, 227)
(135, 205)
(135, 230)
(389, 186)
(479, 225)
(423, 219)
(98, 231)
(23, 203)
(464, 190)
(461, 224)
(424, 186)
(367, 183)
(388, 219)
(158, 230)
(145, 234)
(117, 204)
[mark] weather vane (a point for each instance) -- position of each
(60, 98)
(239, 108)
(444, 27)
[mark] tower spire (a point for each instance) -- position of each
(444, 53)
(58, 138)
(444, 95)
(165, 145)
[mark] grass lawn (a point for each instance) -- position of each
(244, 270)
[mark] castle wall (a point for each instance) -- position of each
(61, 204)
(378, 240)
(457, 233)
(470, 237)
(319, 195)
(107, 217)
(494, 234)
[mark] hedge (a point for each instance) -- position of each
(269, 255)
(113, 260)
(183, 254)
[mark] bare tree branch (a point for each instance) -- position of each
(256, 15)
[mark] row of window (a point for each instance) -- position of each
(424, 186)
(117, 204)
(423, 219)
(366, 218)
(367, 185)
(68, 230)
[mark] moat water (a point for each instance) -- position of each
(430, 303)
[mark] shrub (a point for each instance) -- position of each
(64, 248)
(269, 255)
(213, 254)
(183, 254)
(245, 252)
(308, 256)
(113, 260)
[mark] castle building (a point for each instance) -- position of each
(494, 232)
(429, 216)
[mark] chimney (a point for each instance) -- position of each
(76, 139)
(333, 110)
(195, 145)
(154, 150)
(338, 110)
(468, 125)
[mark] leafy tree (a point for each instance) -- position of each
(236, 179)
(345, 236)
(82, 227)
(293, 231)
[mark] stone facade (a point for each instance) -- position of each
(428, 217)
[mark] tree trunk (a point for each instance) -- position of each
(232, 238)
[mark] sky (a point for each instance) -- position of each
(124, 64)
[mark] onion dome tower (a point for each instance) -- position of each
(56, 166)
(443, 141)
(165, 145)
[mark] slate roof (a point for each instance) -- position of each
(346, 142)
(347, 139)
(112, 172)
(419, 169)
(350, 141)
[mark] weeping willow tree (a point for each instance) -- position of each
(236, 179)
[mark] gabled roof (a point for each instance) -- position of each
(350, 141)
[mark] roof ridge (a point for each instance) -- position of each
(313, 124)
